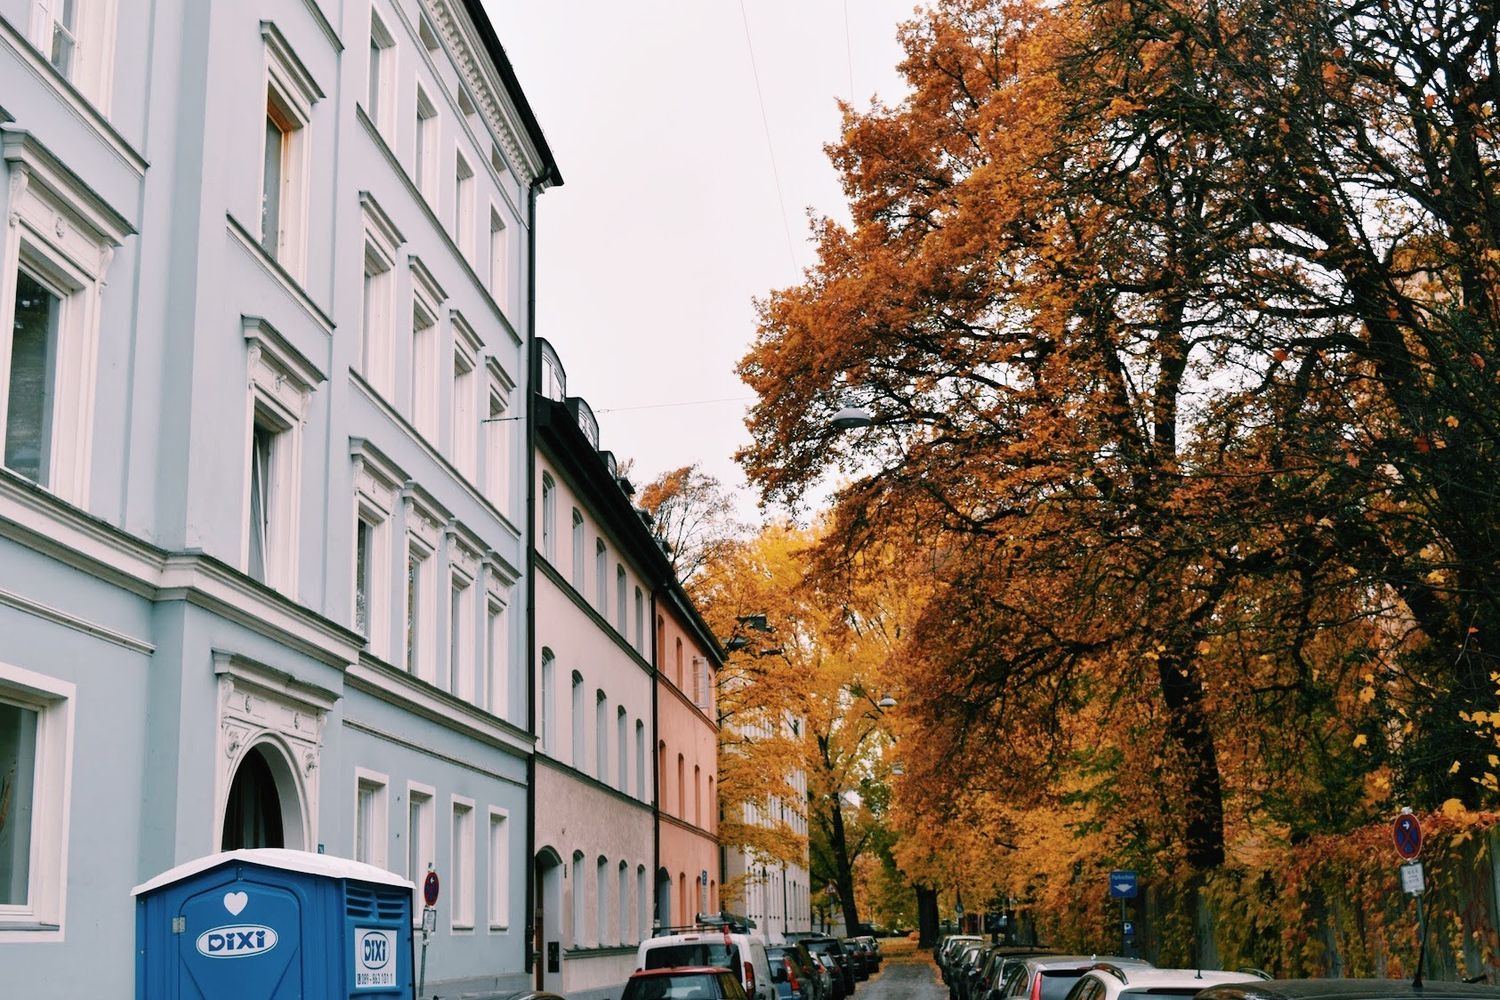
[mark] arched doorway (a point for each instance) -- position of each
(263, 807)
(546, 923)
(663, 898)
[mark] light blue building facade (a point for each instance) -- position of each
(264, 316)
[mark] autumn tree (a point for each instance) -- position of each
(693, 515)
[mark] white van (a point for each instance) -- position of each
(712, 946)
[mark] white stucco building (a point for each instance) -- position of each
(264, 273)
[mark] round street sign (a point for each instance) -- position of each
(1407, 833)
(430, 888)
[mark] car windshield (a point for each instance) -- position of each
(690, 986)
(825, 947)
(711, 953)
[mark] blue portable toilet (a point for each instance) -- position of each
(266, 924)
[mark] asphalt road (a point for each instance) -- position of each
(903, 980)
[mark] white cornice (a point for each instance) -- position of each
(420, 698)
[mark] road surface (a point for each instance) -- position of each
(913, 978)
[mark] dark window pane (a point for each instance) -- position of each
(33, 374)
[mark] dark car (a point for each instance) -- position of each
(831, 947)
(871, 949)
(864, 964)
(964, 958)
(793, 973)
(830, 969)
(951, 948)
(1348, 989)
(684, 983)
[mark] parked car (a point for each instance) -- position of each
(1049, 977)
(872, 948)
(686, 983)
(724, 946)
(864, 963)
(948, 948)
(828, 974)
(1005, 960)
(822, 944)
(1349, 989)
(965, 957)
(1107, 981)
(792, 972)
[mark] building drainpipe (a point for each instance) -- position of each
(533, 959)
(656, 765)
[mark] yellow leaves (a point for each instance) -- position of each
(1360, 741)
(1454, 768)
(1451, 421)
(1452, 807)
(1366, 695)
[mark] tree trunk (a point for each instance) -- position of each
(1203, 810)
(844, 869)
(927, 915)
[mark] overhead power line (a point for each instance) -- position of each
(770, 146)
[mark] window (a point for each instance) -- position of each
(418, 615)
(640, 622)
(499, 856)
(545, 709)
(424, 368)
(382, 241)
(578, 550)
(463, 206)
(601, 898)
(642, 792)
(465, 425)
(461, 865)
(270, 546)
(620, 609)
(35, 750)
(497, 431)
(375, 488)
(577, 721)
(642, 902)
(364, 559)
(601, 577)
(661, 773)
(424, 153)
(622, 750)
(49, 309)
(379, 99)
(601, 736)
(499, 262)
(623, 899)
(370, 818)
(698, 681)
(549, 518)
(496, 657)
(697, 795)
(460, 679)
(678, 662)
(75, 37)
(681, 787)
(290, 95)
(420, 836)
(713, 808)
(578, 899)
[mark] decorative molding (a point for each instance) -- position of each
(30, 160)
(410, 693)
(324, 26)
(381, 222)
(77, 624)
(81, 107)
(598, 620)
(279, 274)
(271, 345)
(426, 283)
(297, 72)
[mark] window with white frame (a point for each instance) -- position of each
(375, 497)
(61, 240)
(418, 608)
(579, 552)
(577, 720)
(622, 750)
(640, 621)
(601, 577)
(546, 708)
(549, 518)
(578, 900)
(463, 206)
(642, 902)
(370, 818)
(377, 303)
(380, 98)
(496, 656)
(620, 607)
(499, 857)
(497, 431)
(623, 900)
(424, 155)
(642, 790)
(77, 39)
(461, 865)
(460, 638)
(421, 837)
(365, 578)
(601, 736)
(601, 899)
(282, 381)
(499, 261)
(290, 96)
(36, 745)
(465, 425)
(426, 295)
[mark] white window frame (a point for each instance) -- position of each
(601, 736)
(498, 429)
(499, 260)
(623, 903)
(291, 92)
(421, 841)
(423, 536)
(463, 430)
(426, 344)
(601, 900)
(281, 381)
(93, 35)
(549, 518)
(621, 589)
(461, 875)
(381, 77)
(642, 789)
(464, 183)
(496, 692)
(376, 849)
(43, 917)
(575, 720)
(377, 493)
(640, 621)
(63, 234)
(546, 704)
(425, 133)
(580, 549)
(580, 899)
(383, 242)
(601, 577)
(499, 869)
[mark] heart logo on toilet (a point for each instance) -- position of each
(234, 902)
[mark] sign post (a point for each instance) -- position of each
(1123, 885)
(430, 888)
(1406, 832)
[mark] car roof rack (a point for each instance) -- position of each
(728, 923)
(1111, 968)
(1252, 971)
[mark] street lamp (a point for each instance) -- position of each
(850, 417)
(887, 701)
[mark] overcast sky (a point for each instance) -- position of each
(669, 222)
